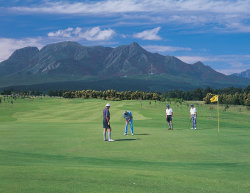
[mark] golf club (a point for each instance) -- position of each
(189, 123)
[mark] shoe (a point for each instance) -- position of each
(195, 128)
(111, 140)
(169, 128)
(132, 134)
(125, 134)
(191, 128)
(105, 140)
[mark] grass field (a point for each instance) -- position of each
(55, 145)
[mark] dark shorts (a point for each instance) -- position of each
(105, 124)
(169, 118)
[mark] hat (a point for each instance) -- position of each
(126, 112)
(192, 105)
(167, 106)
(107, 105)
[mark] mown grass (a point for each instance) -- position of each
(56, 145)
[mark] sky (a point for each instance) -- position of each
(215, 32)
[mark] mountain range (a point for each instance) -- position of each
(244, 74)
(69, 65)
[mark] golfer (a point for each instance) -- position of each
(127, 115)
(169, 117)
(193, 116)
(106, 123)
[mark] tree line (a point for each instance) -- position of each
(230, 95)
(114, 95)
(200, 93)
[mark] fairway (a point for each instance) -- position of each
(55, 145)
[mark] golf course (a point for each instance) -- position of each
(55, 145)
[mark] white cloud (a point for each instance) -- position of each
(98, 7)
(128, 6)
(8, 46)
(61, 33)
(96, 34)
(226, 64)
(215, 58)
(151, 34)
(224, 15)
(162, 49)
(193, 59)
(237, 27)
(93, 34)
(124, 35)
(229, 71)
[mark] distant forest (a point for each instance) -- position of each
(230, 95)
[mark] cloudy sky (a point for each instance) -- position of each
(216, 32)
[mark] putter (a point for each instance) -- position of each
(189, 123)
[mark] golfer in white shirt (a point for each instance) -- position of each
(169, 117)
(193, 116)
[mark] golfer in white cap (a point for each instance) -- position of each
(106, 123)
(193, 116)
(169, 117)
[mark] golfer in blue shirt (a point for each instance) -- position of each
(127, 115)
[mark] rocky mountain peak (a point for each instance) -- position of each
(24, 53)
(199, 63)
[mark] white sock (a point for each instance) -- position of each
(104, 135)
(109, 134)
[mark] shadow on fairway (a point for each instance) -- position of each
(142, 134)
(125, 139)
(209, 128)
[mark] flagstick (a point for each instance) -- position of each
(218, 115)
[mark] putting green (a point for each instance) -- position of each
(56, 145)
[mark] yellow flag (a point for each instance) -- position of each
(214, 98)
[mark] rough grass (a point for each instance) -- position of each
(55, 145)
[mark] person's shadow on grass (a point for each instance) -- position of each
(142, 134)
(125, 139)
